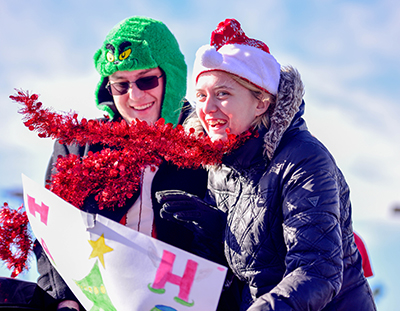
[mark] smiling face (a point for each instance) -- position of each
(136, 103)
(222, 103)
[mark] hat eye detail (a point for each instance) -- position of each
(110, 57)
(125, 54)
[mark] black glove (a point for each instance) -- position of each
(205, 221)
(193, 213)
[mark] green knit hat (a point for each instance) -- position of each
(142, 43)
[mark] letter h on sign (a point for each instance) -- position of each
(34, 208)
(164, 274)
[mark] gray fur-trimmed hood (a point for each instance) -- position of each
(289, 98)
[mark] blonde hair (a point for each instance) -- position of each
(261, 95)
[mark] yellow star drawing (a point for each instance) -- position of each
(99, 249)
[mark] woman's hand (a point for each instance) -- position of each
(193, 213)
(205, 221)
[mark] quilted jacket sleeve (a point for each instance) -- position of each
(311, 211)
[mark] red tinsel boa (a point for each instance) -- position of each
(113, 174)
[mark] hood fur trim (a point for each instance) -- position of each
(288, 100)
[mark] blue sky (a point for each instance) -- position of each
(347, 52)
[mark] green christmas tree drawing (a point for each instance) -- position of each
(93, 288)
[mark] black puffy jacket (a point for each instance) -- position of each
(289, 233)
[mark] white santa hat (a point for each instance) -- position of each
(232, 51)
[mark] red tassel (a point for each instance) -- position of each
(15, 241)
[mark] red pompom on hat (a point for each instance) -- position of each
(230, 32)
(232, 51)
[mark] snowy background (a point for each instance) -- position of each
(347, 52)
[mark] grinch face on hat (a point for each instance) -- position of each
(123, 55)
(120, 53)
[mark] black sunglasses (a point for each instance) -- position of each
(143, 84)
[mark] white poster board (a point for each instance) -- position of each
(111, 267)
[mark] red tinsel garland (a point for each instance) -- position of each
(113, 174)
